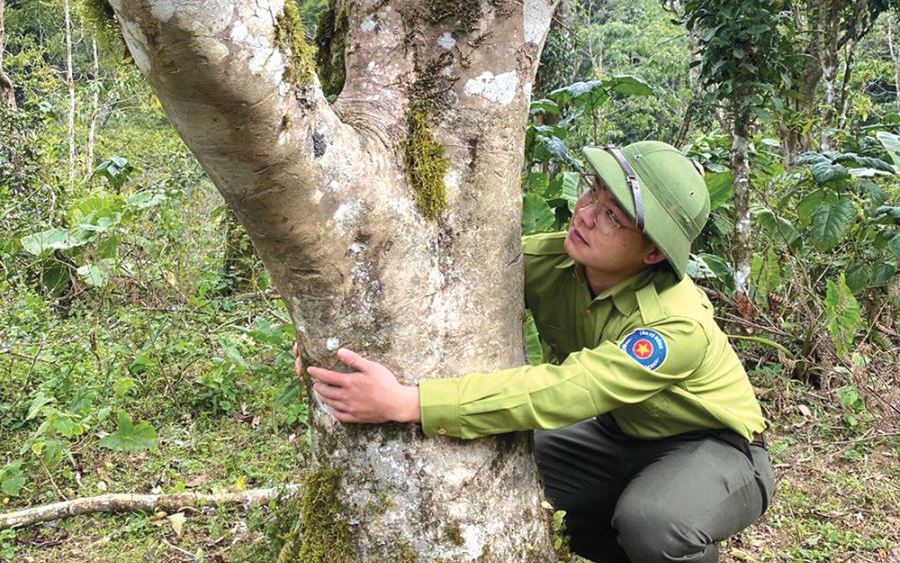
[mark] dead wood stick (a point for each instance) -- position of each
(127, 502)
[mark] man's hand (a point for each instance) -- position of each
(371, 394)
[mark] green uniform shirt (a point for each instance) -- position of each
(647, 350)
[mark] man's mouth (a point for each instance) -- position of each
(577, 236)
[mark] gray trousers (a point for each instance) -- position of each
(644, 501)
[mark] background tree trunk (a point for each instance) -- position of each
(70, 81)
(743, 251)
(7, 94)
(95, 110)
(389, 221)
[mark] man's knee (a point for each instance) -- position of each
(650, 533)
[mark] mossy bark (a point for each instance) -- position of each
(427, 279)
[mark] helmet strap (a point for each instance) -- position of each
(631, 177)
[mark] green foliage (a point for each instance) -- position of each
(11, 478)
(745, 49)
(130, 437)
(331, 31)
(322, 534)
(841, 314)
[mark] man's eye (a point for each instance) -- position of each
(612, 218)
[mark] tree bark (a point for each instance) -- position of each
(7, 93)
(95, 110)
(70, 81)
(376, 239)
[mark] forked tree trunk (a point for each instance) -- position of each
(389, 221)
(7, 94)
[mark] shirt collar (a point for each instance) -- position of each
(623, 293)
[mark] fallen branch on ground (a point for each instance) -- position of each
(141, 503)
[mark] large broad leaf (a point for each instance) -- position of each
(570, 185)
(720, 186)
(628, 85)
(887, 214)
(831, 222)
(143, 200)
(130, 437)
(765, 275)
(543, 107)
(842, 314)
(894, 245)
(807, 206)
(891, 144)
(853, 160)
(577, 90)
(777, 228)
(12, 478)
(98, 273)
(536, 214)
(827, 173)
(883, 273)
(55, 239)
(557, 149)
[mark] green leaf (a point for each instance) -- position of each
(777, 228)
(234, 357)
(143, 200)
(628, 85)
(533, 350)
(130, 437)
(883, 273)
(765, 275)
(807, 206)
(98, 274)
(891, 144)
(543, 107)
(894, 245)
(718, 265)
(12, 478)
(827, 173)
(55, 239)
(887, 214)
(853, 160)
(37, 405)
(537, 182)
(52, 453)
(831, 223)
(571, 188)
(842, 314)
(720, 186)
(536, 214)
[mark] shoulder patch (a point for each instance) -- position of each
(645, 346)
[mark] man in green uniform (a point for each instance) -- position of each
(649, 434)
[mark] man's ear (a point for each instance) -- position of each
(653, 255)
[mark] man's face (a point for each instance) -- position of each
(603, 237)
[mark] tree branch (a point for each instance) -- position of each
(127, 502)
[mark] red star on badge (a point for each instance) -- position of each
(642, 349)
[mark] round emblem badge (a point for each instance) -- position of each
(645, 346)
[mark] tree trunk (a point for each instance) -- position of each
(70, 81)
(7, 93)
(95, 109)
(389, 221)
(743, 252)
(894, 61)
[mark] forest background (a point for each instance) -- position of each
(142, 348)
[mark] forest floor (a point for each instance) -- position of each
(836, 465)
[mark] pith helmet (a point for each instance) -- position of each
(672, 199)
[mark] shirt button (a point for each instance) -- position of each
(587, 312)
(442, 431)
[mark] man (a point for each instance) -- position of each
(649, 434)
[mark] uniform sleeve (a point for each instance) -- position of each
(590, 382)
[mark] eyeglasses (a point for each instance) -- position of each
(602, 216)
